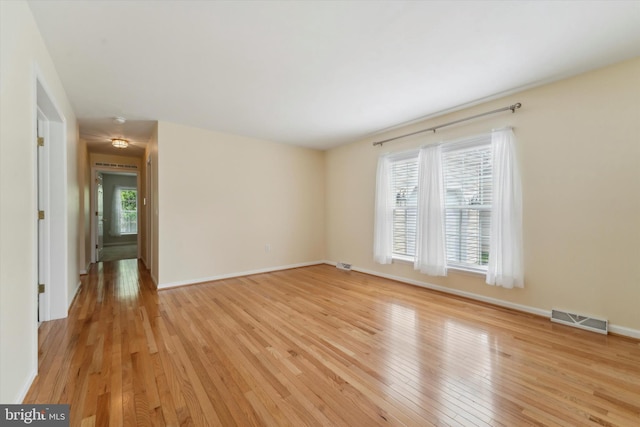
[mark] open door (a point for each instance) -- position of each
(99, 216)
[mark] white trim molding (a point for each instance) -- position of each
(72, 295)
(623, 330)
(619, 330)
(470, 295)
(238, 274)
(25, 388)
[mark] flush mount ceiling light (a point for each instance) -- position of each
(119, 143)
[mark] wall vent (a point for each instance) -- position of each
(578, 321)
(343, 266)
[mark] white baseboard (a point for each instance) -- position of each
(72, 295)
(238, 274)
(623, 330)
(620, 330)
(86, 269)
(155, 281)
(25, 388)
(470, 295)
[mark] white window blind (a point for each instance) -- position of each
(468, 195)
(404, 183)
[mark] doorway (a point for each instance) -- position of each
(52, 286)
(42, 162)
(116, 225)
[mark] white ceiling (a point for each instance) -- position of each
(317, 74)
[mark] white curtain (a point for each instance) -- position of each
(116, 211)
(431, 251)
(505, 241)
(383, 223)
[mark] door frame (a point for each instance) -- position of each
(42, 225)
(54, 300)
(94, 203)
(148, 211)
(98, 176)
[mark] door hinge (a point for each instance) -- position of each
(40, 214)
(96, 246)
(41, 288)
(40, 141)
(96, 213)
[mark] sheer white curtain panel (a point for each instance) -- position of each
(383, 222)
(116, 211)
(431, 252)
(505, 241)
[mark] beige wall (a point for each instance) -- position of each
(579, 143)
(224, 197)
(23, 57)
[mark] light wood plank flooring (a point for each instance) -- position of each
(319, 346)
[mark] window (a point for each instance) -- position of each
(467, 177)
(453, 205)
(128, 215)
(467, 198)
(404, 184)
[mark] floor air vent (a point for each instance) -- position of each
(582, 322)
(343, 266)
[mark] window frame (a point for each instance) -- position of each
(397, 158)
(468, 144)
(122, 211)
(458, 145)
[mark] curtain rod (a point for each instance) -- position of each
(513, 109)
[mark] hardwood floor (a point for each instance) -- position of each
(319, 346)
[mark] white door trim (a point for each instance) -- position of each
(149, 215)
(42, 225)
(55, 298)
(94, 200)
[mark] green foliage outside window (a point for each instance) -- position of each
(128, 198)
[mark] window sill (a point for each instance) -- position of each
(402, 260)
(468, 271)
(477, 272)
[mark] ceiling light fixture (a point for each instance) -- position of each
(119, 143)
